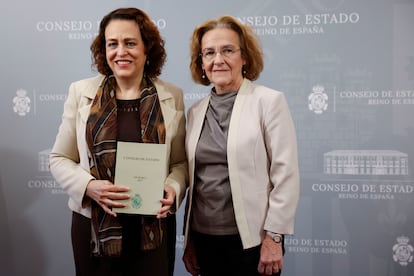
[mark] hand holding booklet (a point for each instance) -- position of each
(143, 168)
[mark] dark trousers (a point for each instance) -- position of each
(225, 256)
(133, 261)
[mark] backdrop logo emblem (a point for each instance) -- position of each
(21, 103)
(318, 100)
(403, 252)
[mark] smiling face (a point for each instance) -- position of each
(225, 72)
(125, 50)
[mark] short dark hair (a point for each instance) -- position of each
(154, 44)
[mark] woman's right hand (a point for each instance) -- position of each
(107, 195)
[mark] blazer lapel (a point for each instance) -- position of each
(245, 88)
(167, 112)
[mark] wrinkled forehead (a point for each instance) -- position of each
(220, 37)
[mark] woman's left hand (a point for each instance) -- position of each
(167, 203)
(271, 257)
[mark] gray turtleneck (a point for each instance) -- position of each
(213, 211)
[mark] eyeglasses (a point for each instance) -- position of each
(208, 54)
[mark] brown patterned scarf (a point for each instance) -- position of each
(101, 137)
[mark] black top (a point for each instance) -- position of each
(128, 121)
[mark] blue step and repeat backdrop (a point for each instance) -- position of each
(345, 66)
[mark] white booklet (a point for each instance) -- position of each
(143, 168)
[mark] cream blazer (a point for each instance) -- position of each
(69, 162)
(262, 162)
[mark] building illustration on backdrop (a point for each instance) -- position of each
(366, 162)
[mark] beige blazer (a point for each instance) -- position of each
(262, 161)
(69, 162)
